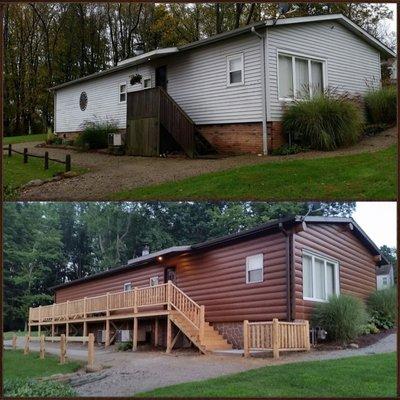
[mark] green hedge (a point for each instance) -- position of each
(382, 307)
(381, 105)
(325, 122)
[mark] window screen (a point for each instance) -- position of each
(254, 268)
(285, 77)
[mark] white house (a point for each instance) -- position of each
(235, 85)
(384, 276)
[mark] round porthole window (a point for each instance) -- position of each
(83, 101)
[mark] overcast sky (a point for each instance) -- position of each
(378, 220)
(392, 22)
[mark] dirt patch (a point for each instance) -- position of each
(111, 174)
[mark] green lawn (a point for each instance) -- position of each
(369, 176)
(16, 173)
(41, 137)
(363, 376)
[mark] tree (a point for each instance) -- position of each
(390, 253)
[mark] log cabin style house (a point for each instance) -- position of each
(280, 269)
(225, 93)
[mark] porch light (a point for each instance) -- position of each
(159, 258)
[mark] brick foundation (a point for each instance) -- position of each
(234, 138)
(275, 135)
(232, 332)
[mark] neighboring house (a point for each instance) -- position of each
(384, 276)
(230, 88)
(278, 270)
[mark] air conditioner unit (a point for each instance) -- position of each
(101, 336)
(115, 139)
(123, 335)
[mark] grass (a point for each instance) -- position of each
(40, 137)
(369, 176)
(18, 365)
(362, 376)
(16, 173)
(9, 335)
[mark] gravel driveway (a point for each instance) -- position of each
(130, 373)
(110, 174)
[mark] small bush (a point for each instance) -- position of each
(381, 105)
(325, 122)
(20, 387)
(287, 149)
(124, 346)
(95, 134)
(369, 328)
(382, 307)
(342, 317)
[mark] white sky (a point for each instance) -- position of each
(392, 22)
(378, 220)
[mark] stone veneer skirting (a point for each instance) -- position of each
(232, 332)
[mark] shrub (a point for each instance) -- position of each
(287, 149)
(124, 346)
(95, 134)
(369, 328)
(381, 105)
(20, 387)
(382, 307)
(342, 317)
(325, 122)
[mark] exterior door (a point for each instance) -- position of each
(161, 77)
(170, 274)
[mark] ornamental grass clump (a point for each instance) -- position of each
(382, 307)
(381, 105)
(325, 122)
(343, 317)
(95, 134)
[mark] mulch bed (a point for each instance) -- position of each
(361, 341)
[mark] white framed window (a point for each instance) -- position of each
(127, 286)
(154, 281)
(300, 77)
(122, 92)
(255, 268)
(384, 281)
(147, 82)
(235, 70)
(320, 277)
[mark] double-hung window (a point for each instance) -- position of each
(320, 277)
(255, 268)
(122, 92)
(235, 70)
(147, 82)
(300, 77)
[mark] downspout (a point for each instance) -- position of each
(264, 90)
(289, 272)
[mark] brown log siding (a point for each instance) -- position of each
(356, 263)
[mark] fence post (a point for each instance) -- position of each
(135, 307)
(46, 160)
(25, 155)
(26, 349)
(169, 291)
(307, 335)
(14, 341)
(275, 337)
(67, 163)
(246, 349)
(91, 350)
(42, 347)
(9, 150)
(63, 349)
(202, 322)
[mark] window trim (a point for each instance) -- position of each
(228, 71)
(153, 277)
(128, 283)
(326, 260)
(309, 58)
(254, 269)
(119, 92)
(144, 79)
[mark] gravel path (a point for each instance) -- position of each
(110, 174)
(130, 373)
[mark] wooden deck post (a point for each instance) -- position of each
(42, 349)
(40, 318)
(156, 332)
(29, 329)
(67, 316)
(63, 349)
(26, 348)
(275, 337)
(84, 330)
(169, 293)
(52, 332)
(169, 334)
(202, 323)
(66, 330)
(107, 343)
(14, 341)
(135, 334)
(84, 307)
(91, 350)
(307, 335)
(39, 329)
(246, 349)
(135, 304)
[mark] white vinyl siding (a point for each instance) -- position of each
(350, 61)
(255, 268)
(320, 277)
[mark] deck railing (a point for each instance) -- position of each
(276, 336)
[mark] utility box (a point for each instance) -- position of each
(123, 335)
